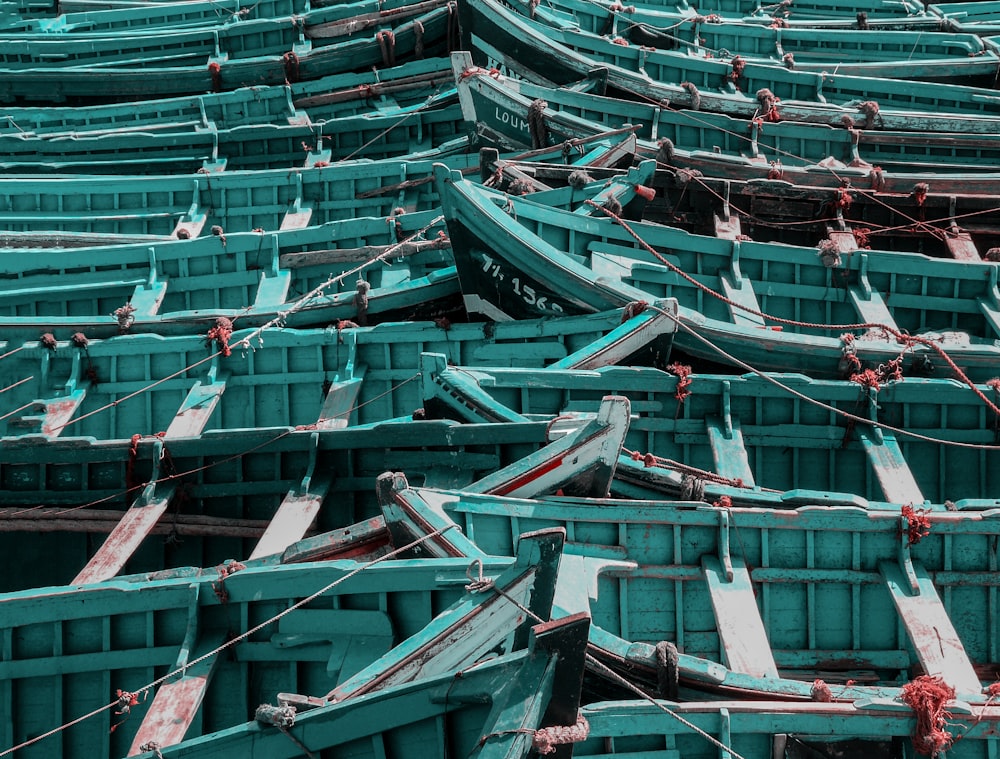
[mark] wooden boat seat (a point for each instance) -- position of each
(127, 535)
(296, 513)
(867, 301)
(147, 298)
(176, 704)
(728, 451)
(340, 399)
(929, 627)
(887, 460)
(742, 637)
(273, 290)
(197, 408)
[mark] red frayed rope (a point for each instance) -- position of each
(919, 524)
(927, 696)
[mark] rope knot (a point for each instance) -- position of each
(282, 717)
(842, 199)
(537, 129)
(125, 317)
(290, 62)
(477, 583)
(768, 104)
(870, 109)
(692, 90)
(80, 340)
(920, 190)
(789, 60)
(667, 670)
(927, 696)
(739, 65)
(849, 361)
(215, 71)
(579, 179)
(775, 172)
(918, 523)
(633, 309)
(877, 178)
(692, 488)
(829, 253)
(683, 374)
(546, 739)
(220, 334)
(820, 691)
(665, 152)
(220, 233)
(724, 502)
(362, 288)
(992, 255)
(48, 340)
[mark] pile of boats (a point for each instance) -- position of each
(499, 378)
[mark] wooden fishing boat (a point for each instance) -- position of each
(962, 58)
(761, 305)
(229, 638)
(245, 465)
(422, 82)
(253, 147)
(912, 441)
(363, 270)
(501, 108)
(506, 36)
(38, 211)
(123, 73)
(882, 728)
(757, 603)
(86, 17)
(512, 706)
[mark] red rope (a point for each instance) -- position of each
(220, 334)
(919, 524)
(683, 374)
(927, 696)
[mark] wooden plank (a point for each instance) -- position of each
(726, 227)
(273, 290)
(194, 413)
(146, 300)
(893, 473)
(991, 312)
(125, 538)
(340, 401)
(728, 451)
(624, 340)
(742, 637)
(177, 702)
(297, 218)
(929, 628)
(293, 518)
(744, 295)
(960, 245)
(871, 307)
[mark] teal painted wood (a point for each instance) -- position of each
(205, 69)
(962, 58)
(186, 149)
(580, 266)
(760, 730)
(128, 209)
(507, 36)
(352, 94)
(402, 610)
(137, 18)
(293, 478)
(790, 442)
(495, 710)
(251, 38)
(499, 106)
(818, 584)
(295, 277)
(232, 485)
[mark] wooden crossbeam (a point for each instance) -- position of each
(291, 521)
(194, 413)
(146, 299)
(126, 537)
(176, 703)
(340, 400)
(742, 637)
(893, 473)
(728, 451)
(929, 628)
